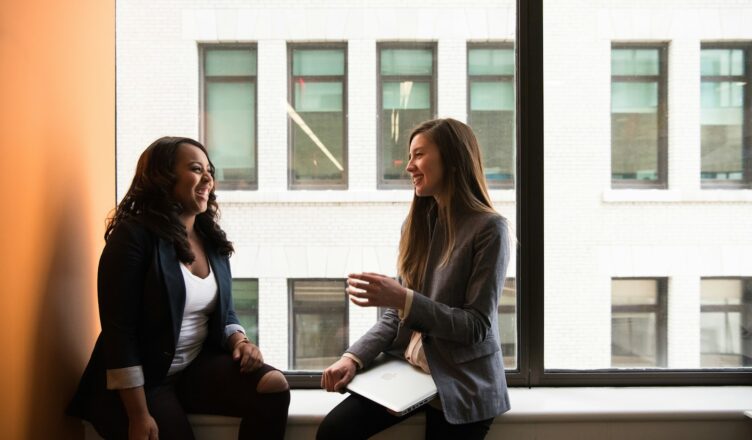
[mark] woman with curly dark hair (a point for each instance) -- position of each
(171, 343)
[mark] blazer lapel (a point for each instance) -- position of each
(174, 285)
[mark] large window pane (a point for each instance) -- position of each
(723, 89)
(229, 116)
(320, 323)
(317, 115)
(637, 140)
(407, 84)
(726, 323)
(491, 109)
(245, 299)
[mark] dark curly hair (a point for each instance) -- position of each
(149, 201)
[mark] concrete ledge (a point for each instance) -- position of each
(561, 413)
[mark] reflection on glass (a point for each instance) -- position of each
(230, 114)
(245, 300)
(635, 115)
(508, 323)
(407, 87)
(318, 117)
(637, 323)
(722, 115)
(320, 323)
(726, 323)
(491, 109)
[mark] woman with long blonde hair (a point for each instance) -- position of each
(442, 317)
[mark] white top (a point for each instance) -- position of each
(200, 300)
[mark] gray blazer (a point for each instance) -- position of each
(458, 318)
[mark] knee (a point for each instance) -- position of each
(272, 382)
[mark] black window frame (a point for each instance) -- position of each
(746, 77)
(492, 184)
(304, 378)
(662, 80)
(203, 48)
(745, 309)
(382, 183)
(341, 184)
(660, 309)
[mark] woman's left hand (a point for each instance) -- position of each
(249, 356)
(375, 290)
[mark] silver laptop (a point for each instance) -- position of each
(394, 384)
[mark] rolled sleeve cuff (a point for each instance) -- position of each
(354, 358)
(231, 329)
(121, 378)
(408, 305)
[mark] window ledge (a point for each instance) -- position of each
(565, 405)
(335, 196)
(668, 195)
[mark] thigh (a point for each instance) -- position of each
(437, 427)
(168, 412)
(213, 384)
(357, 418)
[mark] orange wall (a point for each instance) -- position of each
(57, 184)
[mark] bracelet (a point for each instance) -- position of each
(242, 341)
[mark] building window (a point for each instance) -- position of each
(725, 117)
(228, 116)
(406, 97)
(638, 116)
(726, 322)
(245, 299)
(490, 78)
(508, 323)
(317, 111)
(638, 322)
(319, 317)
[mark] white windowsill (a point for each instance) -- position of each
(565, 405)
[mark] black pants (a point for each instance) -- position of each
(211, 384)
(360, 418)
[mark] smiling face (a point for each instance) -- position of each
(425, 166)
(194, 181)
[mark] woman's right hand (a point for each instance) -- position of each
(142, 428)
(338, 375)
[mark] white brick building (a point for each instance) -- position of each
(593, 233)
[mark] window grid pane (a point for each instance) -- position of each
(406, 98)
(320, 323)
(638, 330)
(229, 114)
(726, 323)
(491, 110)
(318, 156)
(245, 300)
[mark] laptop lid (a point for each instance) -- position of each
(395, 384)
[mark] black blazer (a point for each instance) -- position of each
(141, 301)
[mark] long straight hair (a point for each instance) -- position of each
(463, 190)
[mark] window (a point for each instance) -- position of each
(726, 322)
(490, 78)
(245, 299)
(407, 90)
(317, 115)
(638, 116)
(228, 114)
(638, 323)
(508, 323)
(725, 116)
(319, 317)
